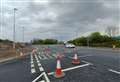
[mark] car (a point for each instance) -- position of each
(69, 45)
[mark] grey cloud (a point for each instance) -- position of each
(62, 18)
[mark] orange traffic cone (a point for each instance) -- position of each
(34, 51)
(75, 60)
(58, 72)
(21, 54)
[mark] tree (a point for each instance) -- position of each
(112, 31)
(96, 40)
(82, 41)
(46, 41)
(50, 41)
(95, 37)
(37, 41)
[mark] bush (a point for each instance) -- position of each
(96, 40)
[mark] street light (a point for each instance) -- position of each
(15, 9)
(23, 33)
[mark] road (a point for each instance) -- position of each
(96, 65)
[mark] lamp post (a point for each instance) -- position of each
(15, 9)
(23, 33)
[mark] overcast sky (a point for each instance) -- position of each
(59, 19)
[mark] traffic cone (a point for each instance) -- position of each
(75, 60)
(58, 72)
(34, 51)
(21, 54)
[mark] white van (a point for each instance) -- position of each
(69, 45)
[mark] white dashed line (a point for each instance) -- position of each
(37, 60)
(41, 69)
(44, 57)
(39, 53)
(114, 71)
(39, 57)
(33, 70)
(39, 64)
(31, 62)
(32, 65)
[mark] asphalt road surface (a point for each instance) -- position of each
(96, 65)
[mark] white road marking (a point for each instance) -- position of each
(54, 55)
(49, 56)
(31, 57)
(42, 81)
(46, 77)
(44, 57)
(71, 68)
(39, 64)
(33, 70)
(114, 71)
(41, 69)
(31, 62)
(39, 57)
(39, 53)
(42, 74)
(38, 61)
(32, 65)
(36, 58)
(85, 56)
(87, 62)
(38, 77)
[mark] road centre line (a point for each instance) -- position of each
(114, 71)
(71, 68)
